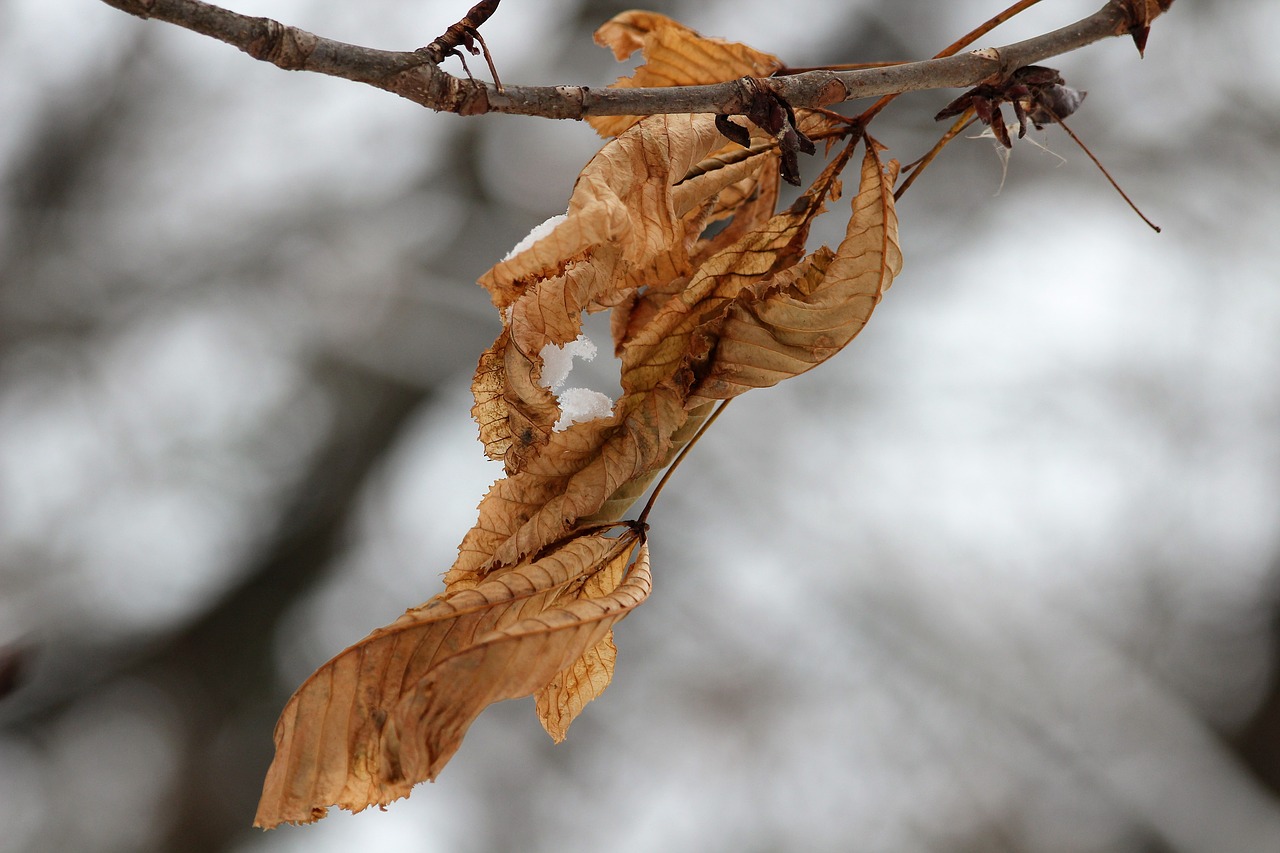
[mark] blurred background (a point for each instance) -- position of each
(1004, 576)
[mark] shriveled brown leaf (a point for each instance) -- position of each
(623, 226)
(571, 479)
(596, 469)
(331, 740)
(514, 410)
(560, 702)
(680, 331)
(635, 219)
(803, 317)
(563, 698)
(629, 492)
(427, 725)
(699, 315)
(749, 201)
(674, 56)
(623, 200)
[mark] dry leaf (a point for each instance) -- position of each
(803, 317)
(682, 328)
(514, 410)
(341, 736)
(674, 56)
(573, 477)
(629, 492)
(634, 218)
(750, 202)
(635, 221)
(622, 202)
(427, 725)
(560, 702)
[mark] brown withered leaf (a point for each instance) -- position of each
(682, 329)
(674, 56)
(559, 703)
(514, 410)
(562, 700)
(585, 471)
(629, 492)
(671, 333)
(634, 212)
(593, 470)
(572, 478)
(427, 725)
(801, 318)
(749, 203)
(341, 737)
(672, 227)
(635, 221)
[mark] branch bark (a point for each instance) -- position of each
(413, 76)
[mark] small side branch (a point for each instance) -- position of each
(418, 78)
(466, 34)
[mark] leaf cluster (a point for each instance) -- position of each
(674, 229)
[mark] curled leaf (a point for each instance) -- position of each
(631, 219)
(561, 701)
(632, 236)
(389, 711)
(804, 316)
(674, 56)
(571, 479)
(676, 340)
(428, 723)
(563, 698)
(514, 410)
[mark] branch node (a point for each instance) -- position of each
(475, 98)
(992, 54)
(285, 47)
(1139, 15)
(580, 94)
(466, 34)
(773, 114)
(833, 91)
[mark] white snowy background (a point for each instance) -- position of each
(1004, 576)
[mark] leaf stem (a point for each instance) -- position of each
(643, 519)
(965, 119)
(1085, 148)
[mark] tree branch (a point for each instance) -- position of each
(413, 76)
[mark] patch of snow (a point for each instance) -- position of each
(538, 232)
(557, 361)
(581, 404)
(576, 404)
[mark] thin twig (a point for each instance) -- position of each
(643, 520)
(918, 167)
(985, 27)
(955, 47)
(405, 73)
(465, 34)
(1085, 148)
